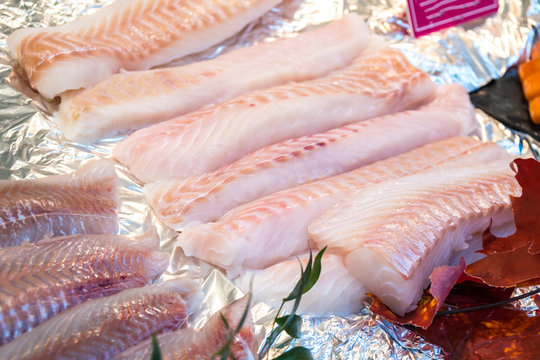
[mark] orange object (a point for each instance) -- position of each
(534, 110)
(535, 52)
(531, 86)
(528, 68)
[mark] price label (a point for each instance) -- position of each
(427, 16)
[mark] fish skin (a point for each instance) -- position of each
(335, 293)
(393, 243)
(98, 328)
(82, 202)
(129, 35)
(130, 101)
(204, 198)
(38, 281)
(190, 344)
(271, 229)
(380, 81)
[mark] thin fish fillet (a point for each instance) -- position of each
(335, 293)
(81, 203)
(102, 328)
(190, 344)
(128, 34)
(130, 101)
(379, 82)
(38, 281)
(207, 197)
(394, 234)
(274, 228)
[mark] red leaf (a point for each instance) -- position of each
(422, 316)
(443, 279)
(525, 212)
(516, 258)
(497, 333)
(507, 269)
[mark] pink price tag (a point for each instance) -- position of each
(427, 16)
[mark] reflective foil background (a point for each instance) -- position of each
(31, 146)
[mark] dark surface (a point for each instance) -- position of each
(503, 100)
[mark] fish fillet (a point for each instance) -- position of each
(379, 82)
(130, 101)
(335, 293)
(394, 234)
(274, 228)
(128, 34)
(81, 203)
(188, 344)
(38, 281)
(207, 197)
(102, 328)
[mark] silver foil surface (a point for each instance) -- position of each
(31, 146)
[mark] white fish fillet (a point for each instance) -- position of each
(335, 293)
(380, 81)
(188, 344)
(81, 203)
(130, 101)
(394, 234)
(128, 34)
(274, 228)
(179, 203)
(102, 328)
(38, 281)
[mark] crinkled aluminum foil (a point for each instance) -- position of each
(31, 146)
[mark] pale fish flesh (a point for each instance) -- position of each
(181, 203)
(274, 228)
(335, 293)
(130, 101)
(38, 281)
(81, 203)
(381, 81)
(394, 234)
(189, 344)
(129, 35)
(103, 328)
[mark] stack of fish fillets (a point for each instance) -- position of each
(330, 138)
(76, 296)
(70, 287)
(248, 181)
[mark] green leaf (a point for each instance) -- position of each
(225, 322)
(309, 276)
(299, 287)
(296, 353)
(316, 272)
(225, 351)
(156, 351)
(294, 327)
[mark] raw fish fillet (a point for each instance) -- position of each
(191, 344)
(102, 328)
(80, 203)
(38, 281)
(335, 293)
(207, 197)
(274, 228)
(394, 234)
(128, 34)
(130, 101)
(380, 81)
